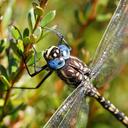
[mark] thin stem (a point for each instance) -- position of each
(36, 24)
(16, 78)
(90, 19)
(83, 27)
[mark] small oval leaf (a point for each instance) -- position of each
(26, 32)
(1, 102)
(20, 46)
(34, 4)
(4, 81)
(38, 11)
(38, 33)
(26, 40)
(7, 17)
(48, 18)
(32, 60)
(31, 19)
(3, 71)
(2, 45)
(15, 32)
(33, 38)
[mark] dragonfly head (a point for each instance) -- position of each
(56, 56)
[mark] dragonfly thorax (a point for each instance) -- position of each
(74, 71)
(56, 56)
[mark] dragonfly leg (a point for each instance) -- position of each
(35, 56)
(35, 71)
(38, 85)
(33, 74)
(109, 106)
(59, 34)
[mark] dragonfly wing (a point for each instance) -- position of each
(113, 46)
(82, 117)
(70, 118)
(66, 114)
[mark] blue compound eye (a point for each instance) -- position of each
(65, 51)
(56, 63)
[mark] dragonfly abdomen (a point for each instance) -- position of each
(109, 106)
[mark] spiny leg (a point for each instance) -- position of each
(38, 85)
(35, 71)
(60, 36)
(109, 106)
(35, 56)
(32, 75)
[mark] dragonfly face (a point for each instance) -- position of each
(57, 56)
(70, 69)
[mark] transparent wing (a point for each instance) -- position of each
(113, 46)
(70, 118)
(66, 114)
(82, 117)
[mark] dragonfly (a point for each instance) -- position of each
(77, 74)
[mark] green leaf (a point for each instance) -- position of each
(38, 33)
(26, 32)
(45, 33)
(38, 11)
(34, 4)
(16, 47)
(103, 18)
(8, 14)
(33, 38)
(20, 46)
(3, 71)
(17, 108)
(26, 40)
(13, 65)
(32, 59)
(31, 19)
(4, 81)
(1, 102)
(15, 32)
(48, 18)
(1, 46)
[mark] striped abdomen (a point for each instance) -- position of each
(109, 106)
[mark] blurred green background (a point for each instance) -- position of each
(82, 24)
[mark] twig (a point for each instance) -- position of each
(90, 19)
(83, 27)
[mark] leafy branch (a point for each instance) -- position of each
(16, 45)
